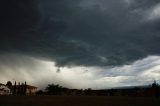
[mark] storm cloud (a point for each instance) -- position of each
(40, 72)
(81, 32)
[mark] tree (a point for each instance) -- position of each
(155, 87)
(40, 92)
(15, 88)
(25, 88)
(53, 89)
(88, 91)
(9, 84)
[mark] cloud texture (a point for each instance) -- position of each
(101, 43)
(41, 72)
(81, 32)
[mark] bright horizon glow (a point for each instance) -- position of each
(41, 72)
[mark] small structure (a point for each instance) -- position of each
(4, 90)
(24, 89)
(31, 90)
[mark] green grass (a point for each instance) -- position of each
(77, 101)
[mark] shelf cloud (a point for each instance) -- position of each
(42, 72)
(81, 33)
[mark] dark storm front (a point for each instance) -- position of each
(98, 50)
(81, 32)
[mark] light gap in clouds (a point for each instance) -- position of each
(43, 72)
(154, 13)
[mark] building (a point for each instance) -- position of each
(31, 90)
(24, 89)
(4, 90)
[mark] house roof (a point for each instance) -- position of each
(2, 85)
(28, 86)
(31, 87)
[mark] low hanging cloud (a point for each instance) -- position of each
(99, 43)
(42, 72)
(81, 32)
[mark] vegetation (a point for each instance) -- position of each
(152, 90)
(56, 95)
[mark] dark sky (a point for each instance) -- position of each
(81, 32)
(89, 33)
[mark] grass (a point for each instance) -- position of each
(77, 101)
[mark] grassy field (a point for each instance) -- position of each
(76, 101)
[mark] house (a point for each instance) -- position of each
(4, 90)
(31, 90)
(24, 89)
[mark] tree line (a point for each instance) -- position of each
(56, 89)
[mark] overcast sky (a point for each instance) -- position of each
(80, 43)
